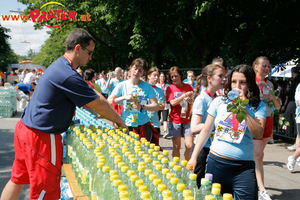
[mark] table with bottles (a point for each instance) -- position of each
(110, 164)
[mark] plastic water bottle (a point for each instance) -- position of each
(177, 173)
(192, 185)
(161, 188)
(115, 191)
(204, 189)
(187, 193)
(151, 179)
(210, 179)
(142, 188)
(169, 176)
(154, 191)
(131, 186)
(174, 182)
(187, 172)
(216, 193)
(179, 193)
(164, 179)
(102, 182)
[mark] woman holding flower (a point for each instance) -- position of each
(231, 153)
(134, 94)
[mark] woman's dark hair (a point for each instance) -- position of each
(221, 60)
(104, 72)
(161, 73)
(202, 79)
(89, 74)
(78, 36)
(151, 70)
(175, 69)
(253, 93)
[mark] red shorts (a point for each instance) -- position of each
(269, 124)
(38, 160)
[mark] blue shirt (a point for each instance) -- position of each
(194, 84)
(53, 103)
(153, 115)
(297, 98)
(24, 87)
(200, 107)
(113, 83)
(102, 83)
(144, 91)
(243, 150)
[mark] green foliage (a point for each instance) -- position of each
(7, 56)
(238, 107)
(185, 33)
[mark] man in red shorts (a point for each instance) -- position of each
(37, 141)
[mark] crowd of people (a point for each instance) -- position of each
(228, 144)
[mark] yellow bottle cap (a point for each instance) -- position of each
(132, 160)
(121, 164)
(215, 191)
(147, 160)
(209, 197)
(155, 154)
(157, 148)
(150, 151)
(187, 193)
(155, 162)
(176, 159)
(183, 163)
(124, 150)
(147, 144)
(165, 152)
(227, 196)
(160, 157)
(116, 183)
(133, 178)
(127, 153)
(123, 194)
(180, 186)
(152, 145)
(165, 171)
(124, 169)
(156, 181)
(216, 185)
(158, 167)
(148, 172)
(174, 180)
(192, 176)
(116, 161)
(130, 156)
(145, 194)
(113, 172)
(141, 168)
(130, 172)
(172, 164)
(145, 156)
(141, 163)
(161, 187)
(167, 193)
(177, 168)
(101, 160)
(164, 160)
(142, 188)
(113, 177)
(141, 153)
(139, 182)
(170, 175)
(105, 168)
(152, 177)
(100, 165)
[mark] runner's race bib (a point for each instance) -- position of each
(225, 132)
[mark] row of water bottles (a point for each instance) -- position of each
(109, 164)
(8, 101)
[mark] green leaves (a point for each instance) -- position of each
(238, 107)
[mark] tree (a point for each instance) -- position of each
(7, 56)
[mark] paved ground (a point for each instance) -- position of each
(278, 180)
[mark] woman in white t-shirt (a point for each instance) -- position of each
(231, 154)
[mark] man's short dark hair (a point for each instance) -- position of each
(78, 36)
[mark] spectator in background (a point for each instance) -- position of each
(102, 83)
(220, 61)
(89, 75)
(1, 78)
(191, 79)
(114, 79)
(165, 113)
(180, 96)
(27, 90)
(96, 86)
(31, 76)
(289, 105)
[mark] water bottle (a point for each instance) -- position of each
(161, 188)
(216, 193)
(179, 193)
(210, 179)
(184, 105)
(205, 189)
(134, 114)
(187, 193)
(174, 182)
(177, 173)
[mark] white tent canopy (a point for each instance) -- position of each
(288, 69)
(28, 65)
